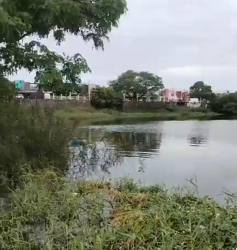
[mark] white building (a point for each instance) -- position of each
(194, 103)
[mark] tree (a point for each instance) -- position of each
(83, 89)
(63, 78)
(6, 89)
(201, 91)
(137, 84)
(92, 20)
(103, 97)
(225, 104)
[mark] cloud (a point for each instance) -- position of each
(182, 71)
(181, 40)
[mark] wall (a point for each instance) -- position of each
(134, 106)
(55, 103)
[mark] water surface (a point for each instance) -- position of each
(171, 152)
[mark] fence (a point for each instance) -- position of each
(54, 103)
(70, 97)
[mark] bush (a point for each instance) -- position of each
(106, 98)
(200, 109)
(225, 104)
(171, 108)
(31, 138)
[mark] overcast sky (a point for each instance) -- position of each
(181, 40)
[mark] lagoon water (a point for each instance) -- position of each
(171, 152)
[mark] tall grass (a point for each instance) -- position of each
(31, 138)
(50, 213)
(91, 115)
(82, 115)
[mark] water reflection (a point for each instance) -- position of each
(196, 140)
(88, 159)
(199, 134)
(102, 149)
(136, 144)
(164, 152)
(129, 141)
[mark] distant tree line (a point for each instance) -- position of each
(136, 86)
(132, 85)
(223, 103)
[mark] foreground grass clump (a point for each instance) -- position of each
(48, 212)
(91, 115)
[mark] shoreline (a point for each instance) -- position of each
(93, 116)
(47, 210)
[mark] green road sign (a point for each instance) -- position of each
(18, 84)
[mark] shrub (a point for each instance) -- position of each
(225, 104)
(171, 108)
(200, 109)
(106, 98)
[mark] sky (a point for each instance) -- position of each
(183, 41)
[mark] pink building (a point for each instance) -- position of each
(171, 95)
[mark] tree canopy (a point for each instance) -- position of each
(92, 20)
(63, 78)
(225, 104)
(6, 88)
(201, 91)
(103, 97)
(137, 84)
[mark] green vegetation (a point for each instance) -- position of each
(137, 85)
(91, 115)
(32, 138)
(106, 98)
(201, 91)
(43, 209)
(20, 19)
(225, 104)
(6, 89)
(29, 141)
(48, 212)
(64, 79)
(140, 85)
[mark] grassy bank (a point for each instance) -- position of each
(49, 213)
(90, 115)
(42, 210)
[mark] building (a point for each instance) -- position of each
(27, 90)
(194, 103)
(176, 96)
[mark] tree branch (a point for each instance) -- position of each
(24, 35)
